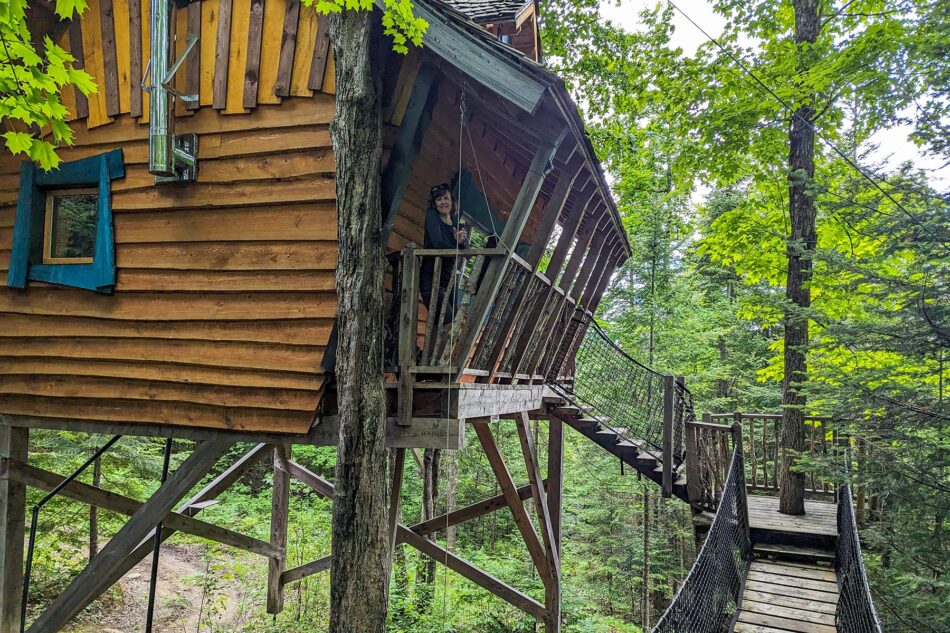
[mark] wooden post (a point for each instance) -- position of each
(94, 511)
(399, 467)
(694, 484)
(743, 498)
(668, 436)
(14, 444)
(280, 505)
(554, 496)
(408, 332)
(91, 580)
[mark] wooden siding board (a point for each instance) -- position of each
(135, 57)
(146, 41)
(237, 58)
(109, 83)
(303, 54)
(273, 26)
(157, 412)
(252, 69)
(78, 51)
(209, 33)
(193, 64)
(288, 45)
(172, 306)
(92, 48)
(303, 332)
(120, 14)
(165, 372)
(224, 256)
(321, 52)
(222, 55)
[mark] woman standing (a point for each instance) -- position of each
(443, 231)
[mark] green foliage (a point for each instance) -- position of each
(31, 82)
(399, 21)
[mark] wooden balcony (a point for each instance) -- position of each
(487, 356)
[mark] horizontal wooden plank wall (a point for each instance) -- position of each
(225, 298)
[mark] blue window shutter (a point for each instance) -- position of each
(29, 206)
(29, 226)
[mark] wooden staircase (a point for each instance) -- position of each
(633, 452)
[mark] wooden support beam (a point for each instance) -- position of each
(280, 506)
(395, 179)
(91, 580)
(552, 598)
(14, 445)
(408, 331)
(45, 480)
(190, 508)
(668, 387)
(405, 535)
(508, 489)
(553, 209)
(530, 453)
(469, 512)
(395, 496)
(308, 569)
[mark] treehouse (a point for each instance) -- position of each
(175, 275)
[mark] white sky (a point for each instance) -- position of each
(893, 144)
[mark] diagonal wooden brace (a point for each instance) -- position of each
(91, 581)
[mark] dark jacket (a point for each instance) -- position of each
(438, 234)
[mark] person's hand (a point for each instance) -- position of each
(461, 235)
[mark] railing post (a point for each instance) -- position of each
(694, 484)
(737, 447)
(668, 388)
(408, 332)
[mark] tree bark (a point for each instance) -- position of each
(646, 558)
(801, 246)
(360, 570)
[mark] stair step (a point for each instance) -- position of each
(793, 552)
(599, 420)
(567, 410)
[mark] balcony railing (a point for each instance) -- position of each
(501, 326)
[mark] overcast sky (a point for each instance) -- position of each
(893, 144)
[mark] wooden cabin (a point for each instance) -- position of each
(193, 290)
(175, 276)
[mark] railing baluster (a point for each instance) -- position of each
(432, 312)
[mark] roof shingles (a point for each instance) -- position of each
(490, 10)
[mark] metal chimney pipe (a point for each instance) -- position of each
(160, 124)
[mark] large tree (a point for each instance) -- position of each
(360, 549)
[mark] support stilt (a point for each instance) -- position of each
(555, 490)
(14, 444)
(399, 467)
(94, 578)
(280, 505)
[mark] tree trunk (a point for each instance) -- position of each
(801, 246)
(451, 495)
(360, 570)
(94, 511)
(430, 493)
(646, 558)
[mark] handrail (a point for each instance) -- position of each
(25, 598)
(855, 612)
(708, 599)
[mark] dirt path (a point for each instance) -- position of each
(180, 598)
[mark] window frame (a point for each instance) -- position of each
(29, 231)
(51, 195)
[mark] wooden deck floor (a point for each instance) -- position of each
(786, 597)
(820, 517)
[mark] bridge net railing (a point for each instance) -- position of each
(855, 612)
(709, 597)
(627, 395)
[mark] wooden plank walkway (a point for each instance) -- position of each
(786, 597)
(820, 517)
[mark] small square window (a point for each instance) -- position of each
(70, 236)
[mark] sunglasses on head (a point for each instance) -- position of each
(438, 190)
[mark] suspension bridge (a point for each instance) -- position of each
(757, 570)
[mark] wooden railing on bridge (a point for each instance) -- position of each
(708, 448)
